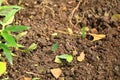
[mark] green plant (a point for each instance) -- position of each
(8, 38)
(84, 30)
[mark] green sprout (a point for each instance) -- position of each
(83, 32)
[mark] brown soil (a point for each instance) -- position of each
(55, 17)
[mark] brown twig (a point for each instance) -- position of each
(73, 11)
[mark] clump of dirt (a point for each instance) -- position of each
(45, 18)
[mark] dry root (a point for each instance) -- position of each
(45, 6)
(73, 11)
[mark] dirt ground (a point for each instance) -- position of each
(102, 57)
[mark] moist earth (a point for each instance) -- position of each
(45, 17)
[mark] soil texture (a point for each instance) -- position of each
(45, 17)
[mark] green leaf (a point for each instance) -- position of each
(32, 46)
(9, 38)
(2, 68)
(10, 7)
(8, 12)
(20, 35)
(5, 10)
(54, 47)
(7, 52)
(9, 18)
(16, 28)
(67, 57)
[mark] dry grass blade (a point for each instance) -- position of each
(97, 36)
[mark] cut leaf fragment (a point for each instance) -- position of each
(19, 45)
(97, 36)
(2, 68)
(33, 46)
(13, 54)
(54, 34)
(21, 35)
(56, 72)
(115, 17)
(69, 58)
(81, 57)
(70, 31)
(66, 57)
(57, 60)
(106, 14)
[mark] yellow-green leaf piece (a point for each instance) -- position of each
(115, 17)
(2, 68)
